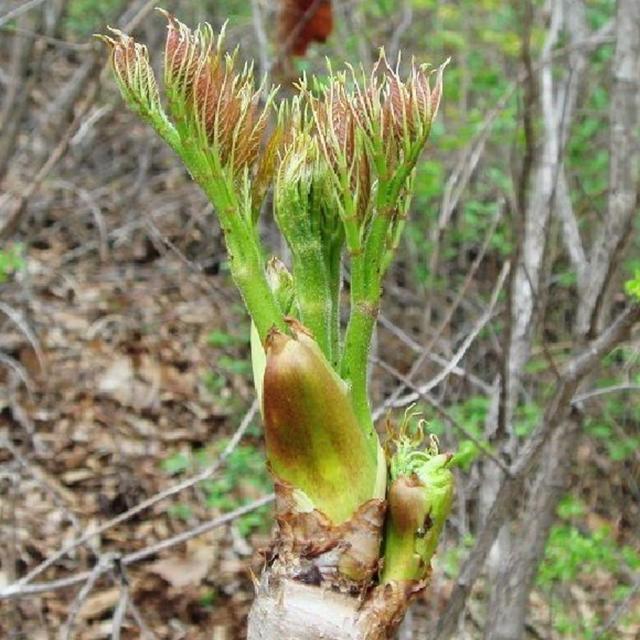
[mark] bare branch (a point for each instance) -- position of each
(429, 399)
(21, 590)
(104, 564)
(624, 161)
(261, 36)
(619, 610)
(18, 320)
(18, 11)
(434, 357)
(453, 307)
(399, 31)
(596, 393)
(120, 612)
(455, 360)
(560, 405)
(570, 231)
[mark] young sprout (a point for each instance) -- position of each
(341, 160)
(419, 498)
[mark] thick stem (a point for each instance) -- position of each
(517, 573)
(247, 270)
(291, 610)
(400, 557)
(334, 264)
(246, 261)
(357, 343)
(367, 272)
(313, 293)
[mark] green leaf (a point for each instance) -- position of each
(177, 463)
(219, 338)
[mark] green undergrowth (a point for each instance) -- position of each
(11, 261)
(577, 554)
(242, 479)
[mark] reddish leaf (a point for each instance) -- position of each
(302, 22)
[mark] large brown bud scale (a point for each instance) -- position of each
(313, 439)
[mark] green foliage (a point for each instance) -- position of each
(451, 560)
(466, 454)
(472, 414)
(208, 598)
(221, 339)
(526, 418)
(85, 16)
(619, 445)
(230, 364)
(573, 552)
(483, 39)
(632, 286)
(176, 463)
(244, 474)
(11, 261)
(180, 511)
(235, 366)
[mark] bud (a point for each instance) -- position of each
(335, 123)
(367, 102)
(266, 169)
(342, 146)
(182, 51)
(210, 100)
(311, 225)
(281, 284)
(301, 194)
(419, 500)
(395, 116)
(313, 439)
(426, 101)
(137, 83)
(411, 106)
(396, 106)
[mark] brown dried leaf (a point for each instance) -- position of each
(98, 603)
(190, 569)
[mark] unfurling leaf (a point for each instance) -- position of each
(209, 99)
(137, 83)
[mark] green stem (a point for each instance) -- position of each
(247, 269)
(401, 562)
(245, 255)
(357, 343)
(334, 263)
(246, 261)
(366, 290)
(313, 292)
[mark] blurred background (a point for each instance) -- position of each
(124, 346)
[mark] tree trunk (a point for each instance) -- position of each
(516, 576)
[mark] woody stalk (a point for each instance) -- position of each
(357, 524)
